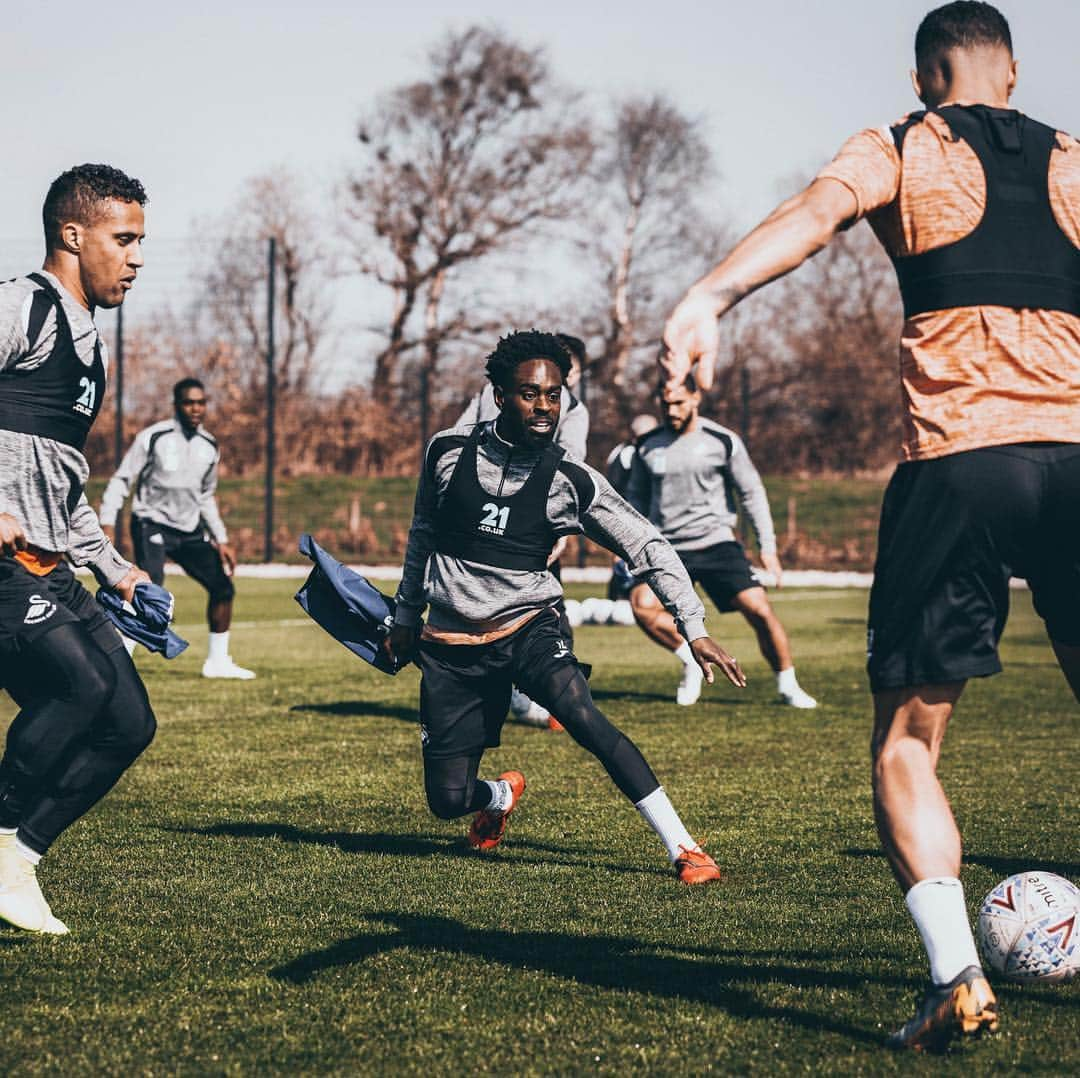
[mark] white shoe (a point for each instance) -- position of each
(21, 901)
(226, 668)
(798, 697)
(689, 685)
(527, 711)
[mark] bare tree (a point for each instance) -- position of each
(460, 165)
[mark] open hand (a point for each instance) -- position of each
(707, 651)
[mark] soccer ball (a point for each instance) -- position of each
(573, 612)
(1029, 928)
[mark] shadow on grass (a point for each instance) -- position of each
(366, 708)
(1006, 866)
(521, 852)
(725, 981)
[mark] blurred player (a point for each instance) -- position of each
(571, 434)
(685, 476)
(84, 715)
(978, 206)
(173, 466)
(617, 470)
(492, 500)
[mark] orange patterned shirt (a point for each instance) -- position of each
(972, 376)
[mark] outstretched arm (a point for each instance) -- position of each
(792, 233)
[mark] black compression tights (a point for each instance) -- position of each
(85, 718)
(451, 786)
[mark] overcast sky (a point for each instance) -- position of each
(194, 97)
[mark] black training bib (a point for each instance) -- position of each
(61, 397)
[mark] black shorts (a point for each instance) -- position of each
(192, 551)
(32, 605)
(952, 532)
(465, 688)
(722, 571)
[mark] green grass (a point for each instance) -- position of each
(265, 892)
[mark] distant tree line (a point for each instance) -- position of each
(488, 196)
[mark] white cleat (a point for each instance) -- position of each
(689, 685)
(527, 711)
(21, 901)
(798, 697)
(226, 668)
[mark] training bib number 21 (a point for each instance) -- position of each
(495, 518)
(87, 398)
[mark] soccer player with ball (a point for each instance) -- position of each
(491, 503)
(978, 206)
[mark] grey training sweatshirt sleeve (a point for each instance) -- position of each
(411, 597)
(573, 430)
(751, 490)
(208, 506)
(617, 525)
(119, 486)
(87, 545)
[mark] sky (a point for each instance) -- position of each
(196, 97)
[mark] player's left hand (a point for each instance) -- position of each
(400, 644)
(691, 336)
(772, 563)
(707, 651)
(228, 558)
(125, 588)
(557, 550)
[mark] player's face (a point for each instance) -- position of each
(530, 406)
(680, 408)
(110, 253)
(192, 407)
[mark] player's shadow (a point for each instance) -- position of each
(1004, 866)
(721, 979)
(663, 697)
(361, 708)
(524, 851)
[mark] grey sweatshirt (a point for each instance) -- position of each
(175, 477)
(572, 433)
(687, 485)
(466, 597)
(42, 480)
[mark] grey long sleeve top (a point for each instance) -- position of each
(687, 485)
(473, 599)
(42, 480)
(175, 479)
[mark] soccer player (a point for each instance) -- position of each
(977, 205)
(492, 500)
(572, 434)
(684, 477)
(84, 715)
(617, 471)
(173, 466)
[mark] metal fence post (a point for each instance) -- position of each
(271, 378)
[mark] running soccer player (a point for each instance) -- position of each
(977, 205)
(492, 500)
(685, 476)
(617, 471)
(173, 466)
(572, 434)
(84, 715)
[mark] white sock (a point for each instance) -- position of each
(129, 644)
(786, 680)
(661, 816)
(219, 645)
(31, 855)
(8, 830)
(685, 655)
(937, 905)
(501, 795)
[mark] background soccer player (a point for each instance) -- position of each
(173, 466)
(977, 205)
(84, 715)
(685, 476)
(491, 502)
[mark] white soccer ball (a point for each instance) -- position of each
(588, 610)
(601, 611)
(573, 612)
(622, 613)
(1029, 928)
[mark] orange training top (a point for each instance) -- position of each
(971, 376)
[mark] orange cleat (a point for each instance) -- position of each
(554, 724)
(965, 1007)
(696, 866)
(487, 829)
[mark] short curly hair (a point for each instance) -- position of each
(517, 348)
(79, 195)
(963, 24)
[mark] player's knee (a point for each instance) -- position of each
(222, 591)
(447, 802)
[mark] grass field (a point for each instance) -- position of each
(265, 892)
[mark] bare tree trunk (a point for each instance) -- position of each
(621, 330)
(431, 354)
